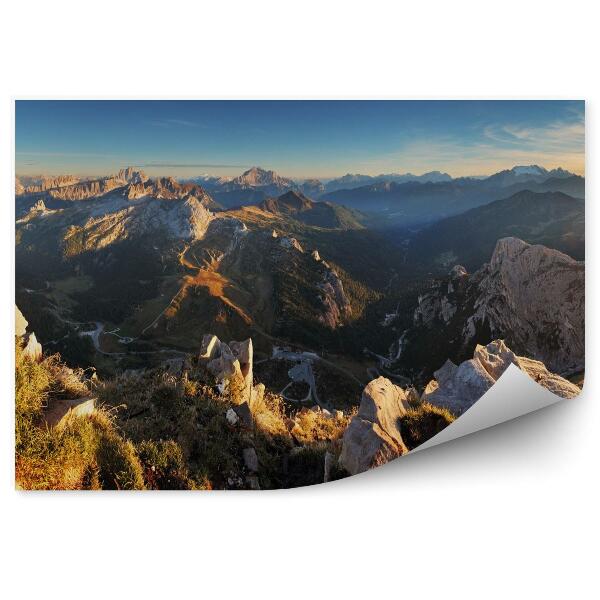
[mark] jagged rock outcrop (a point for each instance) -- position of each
(458, 387)
(132, 175)
(373, 436)
(441, 303)
(46, 183)
(232, 363)
(85, 189)
(291, 242)
(20, 323)
(129, 183)
(535, 296)
(31, 347)
(167, 188)
(181, 220)
(531, 296)
(336, 304)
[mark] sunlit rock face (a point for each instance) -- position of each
(536, 297)
(530, 295)
(373, 436)
(458, 387)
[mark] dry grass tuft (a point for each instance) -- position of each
(269, 415)
(315, 426)
(422, 422)
(85, 452)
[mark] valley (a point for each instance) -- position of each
(409, 303)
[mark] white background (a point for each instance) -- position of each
(507, 513)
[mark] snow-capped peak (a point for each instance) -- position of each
(529, 170)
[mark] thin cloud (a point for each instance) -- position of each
(174, 123)
(559, 135)
(190, 166)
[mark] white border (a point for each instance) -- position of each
(510, 512)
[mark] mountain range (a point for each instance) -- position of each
(127, 270)
(397, 199)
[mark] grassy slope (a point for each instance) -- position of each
(159, 431)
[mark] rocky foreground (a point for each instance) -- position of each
(203, 421)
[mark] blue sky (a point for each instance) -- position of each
(297, 138)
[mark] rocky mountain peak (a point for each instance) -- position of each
(132, 175)
(530, 295)
(507, 249)
(259, 177)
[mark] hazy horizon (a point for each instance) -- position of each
(297, 139)
(165, 172)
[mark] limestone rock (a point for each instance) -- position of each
(20, 322)
(461, 387)
(529, 295)
(245, 414)
(232, 417)
(290, 242)
(373, 436)
(457, 388)
(230, 363)
(336, 304)
(534, 296)
(60, 411)
(32, 348)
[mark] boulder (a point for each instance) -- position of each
(232, 417)
(457, 388)
(32, 347)
(210, 346)
(59, 412)
(245, 414)
(20, 323)
(373, 436)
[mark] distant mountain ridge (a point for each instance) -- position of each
(414, 203)
(553, 219)
(129, 183)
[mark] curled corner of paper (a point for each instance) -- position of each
(514, 394)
